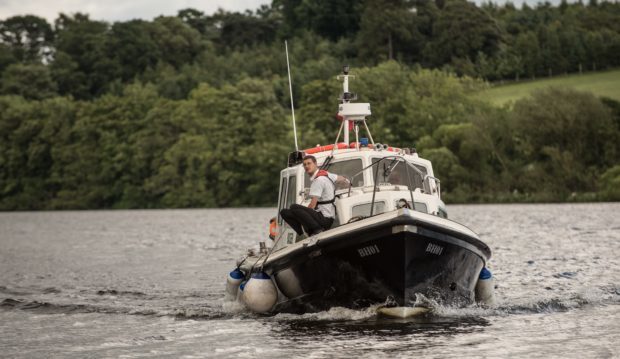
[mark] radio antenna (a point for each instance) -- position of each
(290, 87)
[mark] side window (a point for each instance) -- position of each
(282, 198)
(291, 195)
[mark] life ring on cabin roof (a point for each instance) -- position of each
(317, 149)
(342, 146)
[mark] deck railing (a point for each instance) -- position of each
(426, 184)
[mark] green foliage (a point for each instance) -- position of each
(89, 58)
(30, 81)
(389, 27)
(552, 146)
(610, 184)
(418, 100)
(133, 47)
(329, 18)
(137, 150)
(193, 110)
(603, 84)
(232, 140)
(83, 70)
(27, 37)
(575, 138)
(177, 43)
(460, 32)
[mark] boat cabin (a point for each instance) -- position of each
(382, 178)
(397, 178)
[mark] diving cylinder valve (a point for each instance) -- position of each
(232, 283)
(485, 288)
(259, 293)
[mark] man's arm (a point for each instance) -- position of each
(342, 180)
(313, 202)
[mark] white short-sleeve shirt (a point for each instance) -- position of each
(324, 188)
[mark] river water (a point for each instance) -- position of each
(151, 283)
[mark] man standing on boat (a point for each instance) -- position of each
(320, 213)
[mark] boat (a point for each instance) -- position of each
(392, 243)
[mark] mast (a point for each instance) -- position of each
(351, 112)
(290, 87)
(345, 99)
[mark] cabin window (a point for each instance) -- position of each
(364, 209)
(442, 213)
(419, 206)
(347, 168)
(291, 194)
(282, 198)
(398, 174)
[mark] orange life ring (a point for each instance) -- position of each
(317, 149)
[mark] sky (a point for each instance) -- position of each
(121, 10)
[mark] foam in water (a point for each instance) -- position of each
(333, 314)
(503, 307)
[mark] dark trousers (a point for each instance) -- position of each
(300, 216)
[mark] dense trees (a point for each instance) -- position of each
(88, 58)
(575, 141)
(461, 31)
(28, 37)
(30, 81)
(186, 110)
(387, 28)
(221, 145)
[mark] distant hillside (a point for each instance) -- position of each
(602, 84)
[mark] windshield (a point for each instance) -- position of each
(346, 168)
(394, 171)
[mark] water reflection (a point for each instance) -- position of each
(377, 327)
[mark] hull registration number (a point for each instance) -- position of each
(434, 249)
(368, 251)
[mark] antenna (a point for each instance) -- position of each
(290, 87)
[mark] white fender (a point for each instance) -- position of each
(259, 293)
(485, 288)
(232, 283)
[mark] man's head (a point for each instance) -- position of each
(310, 166)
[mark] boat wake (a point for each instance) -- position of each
(551, 304)
(220, 308)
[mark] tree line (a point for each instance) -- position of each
(223, 146)
(192, 110)
(85, 58)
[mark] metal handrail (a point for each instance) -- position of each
(407, 166)
(384, 158)
(436, 180)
